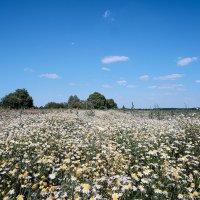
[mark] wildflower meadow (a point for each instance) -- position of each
(58, 154)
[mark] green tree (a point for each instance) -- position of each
(110, 103)
(18, 99)
(74, 102)
(96, 101)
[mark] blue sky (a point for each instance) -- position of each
(141, 51)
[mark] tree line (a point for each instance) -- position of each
(20, 99)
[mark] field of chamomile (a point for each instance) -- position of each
(99, 155)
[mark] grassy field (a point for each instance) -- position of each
(126, 155)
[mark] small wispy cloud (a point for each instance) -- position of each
(171, 77)
(107, 15)
(50, 76)
(122, 82)
(28, 69)
(106, 86)
(197, 81)
(186, 61)
(167, 87)
(105, 69)
(112, 59)
(144, 77)
(131, 86)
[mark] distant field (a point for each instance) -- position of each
(72, 154)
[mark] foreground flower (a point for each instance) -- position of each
(86, 188)
(158, 191)
(141, 188)
(20, 197)
(180, 196)
(78, 173)
(52, 176)
(115, 196)
(34, 186)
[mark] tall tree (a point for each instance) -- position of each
(97, 101)
(74, 102)
(18, 99)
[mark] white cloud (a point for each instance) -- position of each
(111, 59)
(107, 14)
(105, 69)
(144, 77)
(122, 82)
(106, 86)
(197, 81)
(169, 77)
(186, 61)
(131, 86)
(50, 76)
(167, 87)
(28, 70)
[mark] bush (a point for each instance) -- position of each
(54, 105)
(110, 103)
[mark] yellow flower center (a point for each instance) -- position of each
(115, 197)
